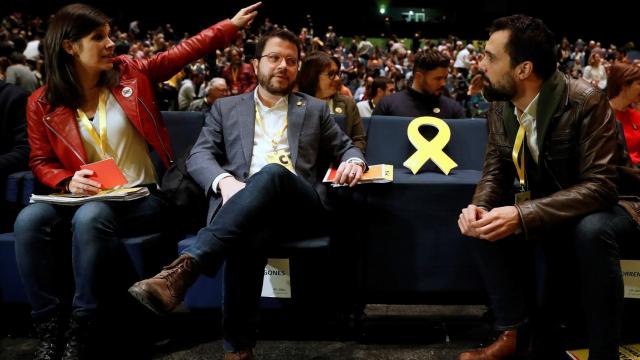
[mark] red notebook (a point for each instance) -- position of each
(106, 172)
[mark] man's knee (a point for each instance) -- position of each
(271, 174)
(596, 235)
(275, 170)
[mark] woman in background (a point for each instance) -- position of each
(595, 72)
(624, 91)
(319, 76)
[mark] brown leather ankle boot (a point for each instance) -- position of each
(163, 292)
(503, 348)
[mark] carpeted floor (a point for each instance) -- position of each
(387, 332)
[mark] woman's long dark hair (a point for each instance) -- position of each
(309, 75)
(72, 22)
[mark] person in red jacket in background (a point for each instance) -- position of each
(239, 75)
(623, 90)
(95, 106)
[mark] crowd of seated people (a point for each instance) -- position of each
(359, 60)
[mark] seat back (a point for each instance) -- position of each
(184, 128)
(388, 142)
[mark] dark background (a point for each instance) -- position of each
(607, 22)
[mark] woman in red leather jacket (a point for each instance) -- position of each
(95, 106)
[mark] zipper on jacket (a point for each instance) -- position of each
(553, 176)
(155, 125)
(63, 140)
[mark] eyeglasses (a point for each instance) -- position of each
(331, 74)
(275, 59)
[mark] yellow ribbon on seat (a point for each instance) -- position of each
(429, 149)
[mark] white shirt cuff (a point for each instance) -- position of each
(216, 181)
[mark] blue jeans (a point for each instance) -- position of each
(583, 253)
(96, 228)
(275, 206)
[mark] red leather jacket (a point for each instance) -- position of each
(56, 145)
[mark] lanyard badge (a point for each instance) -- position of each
(523, 195)
(100, 140)
(277, 156)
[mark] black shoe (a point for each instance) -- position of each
(51, 339)
(78, 337)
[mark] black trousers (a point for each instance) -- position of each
(275, 206)
(585, 254)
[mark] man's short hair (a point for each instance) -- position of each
(429, 60)
(529, 40)
(282, 34)
(378, 83)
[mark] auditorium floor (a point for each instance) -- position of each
(388, 332)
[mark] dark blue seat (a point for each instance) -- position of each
(411, 241)
(11, 289)
(413, 245)
(153, 250)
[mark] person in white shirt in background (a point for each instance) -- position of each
(380, 87)
(595, 72)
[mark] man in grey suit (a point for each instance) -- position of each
(261, 158)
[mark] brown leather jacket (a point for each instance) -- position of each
(581, 167)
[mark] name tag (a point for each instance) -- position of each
(280, 157)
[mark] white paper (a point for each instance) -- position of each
(277, 279)
(104, 195)
(631, 276)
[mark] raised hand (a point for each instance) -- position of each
(245, 16)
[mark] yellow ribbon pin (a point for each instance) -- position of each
(429, 149)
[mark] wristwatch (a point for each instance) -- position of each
(357, 162)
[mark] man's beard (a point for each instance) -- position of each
(265, 82)
(498, 92)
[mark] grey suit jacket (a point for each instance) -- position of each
(225, 143)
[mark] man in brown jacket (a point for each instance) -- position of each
(556, 137)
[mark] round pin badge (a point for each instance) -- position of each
(338, 110)
(127, 91)
(436, 110)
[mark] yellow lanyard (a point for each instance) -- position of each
(514, 155)
(275, 139)
(100, 140)
(234, 74)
